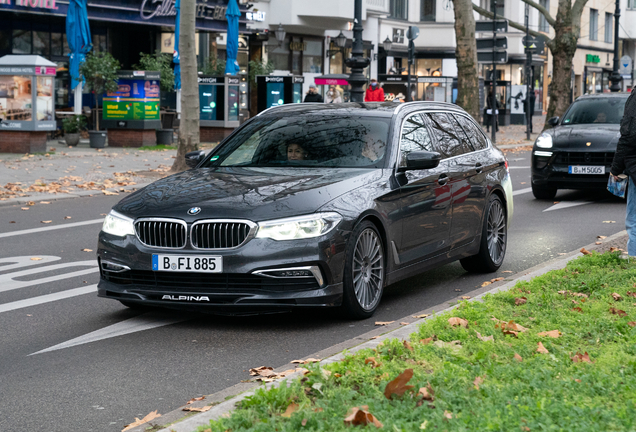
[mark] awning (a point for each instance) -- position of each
(332, 79)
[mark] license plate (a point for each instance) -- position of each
(187, 263)
(576, 169)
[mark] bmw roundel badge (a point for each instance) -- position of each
(194, 211)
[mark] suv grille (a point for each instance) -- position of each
(584, 158)
(163, 233)
(218, 234)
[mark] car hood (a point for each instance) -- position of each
(243, 193)
(601, 136)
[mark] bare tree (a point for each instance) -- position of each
(466, 55)
(189, 126)
(567, 29)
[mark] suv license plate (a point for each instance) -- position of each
(187, 263)
(576, 169)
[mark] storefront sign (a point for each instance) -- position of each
(331, 81)
(44, 4)
(255, 16)
(17, 71)
(206, 80)
(298, 79)
(591, 58)
(274, 79)
(297, 46)
(43, 70)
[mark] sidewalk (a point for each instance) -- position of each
(515, 135)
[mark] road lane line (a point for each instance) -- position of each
(26, 261)
(521, 191)
(139, 323)
(50, 228)
(47, 298)
(7, 282)
(566, 204)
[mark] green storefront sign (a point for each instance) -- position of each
(591, 58)
(135, 104)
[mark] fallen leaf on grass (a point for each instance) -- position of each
(420, 316)
(196, 399)
(398, 385)
(383, 323)
(614, 249)
(520, 301)
(427, 393)
(309, 360)
(632, 323)
(373, 361)
(541, 349)
(195, 409)
(454, 321)
(87, 250)
(518, 358)
(263, 371)
(291, 408)
(452, 344)
(153, 415)
(426, 341)
(618, 312)
(552, 333)
(617, 296)
(304, 422)
(577, 309)
(585, 251)
(631, 294)
(485, 338)
(361, 417)
(448, 415)
(407, 345)
(584, 358)
(46, 222)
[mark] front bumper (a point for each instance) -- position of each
(242, 287)
(550, 169)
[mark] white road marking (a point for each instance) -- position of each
(7, 283)
(50, 228)
(47, 298)
(516, 167)
(566, 204)
(521, 191)
(140, 323)
(26, 261)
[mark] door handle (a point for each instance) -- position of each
(478, 167)
(442, 179)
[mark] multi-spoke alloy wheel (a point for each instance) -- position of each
(492, 247)
(496, 232)
(364, 271)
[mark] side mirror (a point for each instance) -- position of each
(553, 121)
(193, 158)
(417, 160)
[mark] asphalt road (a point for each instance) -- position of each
(71, 361)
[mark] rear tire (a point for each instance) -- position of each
(363, 281)
(543, 193)
(494, 236)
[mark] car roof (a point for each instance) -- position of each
(384, 109)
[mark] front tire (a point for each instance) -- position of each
(494, 236)
(363, 272)
(543, 193)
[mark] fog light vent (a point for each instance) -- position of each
(296, 272)
(112, 267)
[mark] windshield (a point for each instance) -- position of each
(307, 140)
(596, 110)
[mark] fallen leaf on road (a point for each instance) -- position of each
(374, 337)
(153, 415)
(553, 334)
(24, 208)
(109, 192)
(291, 408)
(583, 358)
(486, 283)
(520, 301)
(87, 250)
(195, 409)
(383, 323)
(46, 222)
(609, 221)
(36, 259)
(454, 321)
(597, 243)
(361, 417)
(404, 323)
(485, 338)
(585, 251)
(458, 290)
(420, 316)
(518, 358)
(541, 349)
(478, 380)
(496, 279)
(30, 203)
(262, 371)
(465, 297)
(617, 296)
(618, 312)
(601, 237)
(507, 271)
(196, 399)
(398, 385)
(67, 217)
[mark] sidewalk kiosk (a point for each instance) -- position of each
(438, 89)
(394, 86)
(131, 114)
(219, 106)
(503, 98)
(27, 110)
(278, 90)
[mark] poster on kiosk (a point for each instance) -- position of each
(274, 91)
(135, 104)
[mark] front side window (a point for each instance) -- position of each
(414, 137)
(307, 140)
(447, 140)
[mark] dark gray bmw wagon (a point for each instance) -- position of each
(311, 205)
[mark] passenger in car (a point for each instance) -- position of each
(373, 149)
(601, 118)
(296, 152)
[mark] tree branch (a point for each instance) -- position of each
(543, 11)
(513, 24)
(577, 10)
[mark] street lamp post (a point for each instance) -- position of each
(616, 78)
(356, 62)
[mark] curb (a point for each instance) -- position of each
(227, 398)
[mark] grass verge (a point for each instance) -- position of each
(158, 147)
(482, 366)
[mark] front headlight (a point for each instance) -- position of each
(299, 227)
(118, 224)
(544, 140)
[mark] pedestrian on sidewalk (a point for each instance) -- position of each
(313, 95)
(532, 100)
(625, 162)
(374, 92)
(490, 112)
(333, 95)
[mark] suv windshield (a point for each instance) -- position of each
(596, 110)
(306, 140)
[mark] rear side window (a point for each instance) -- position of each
(447, 139)
(415, 136)
(476, 137)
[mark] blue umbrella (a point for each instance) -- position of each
(232, 14)
(78, 35)
(176, 57)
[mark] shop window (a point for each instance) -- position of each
(609, 28)
(56, 44)
(99, 43)
(5, 41)
(278, 54)
(312, 56)
(42, 43)
(399, 9)
(543, 23)
(427, 10)
(593, 35)
(22, 41)
(67, 50)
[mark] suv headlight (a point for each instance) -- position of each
(544, 140)
(299, 227)
(118, 224)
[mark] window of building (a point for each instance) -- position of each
(631, 4)
(5, 41)
(399, 9)
(278, 54)
(500, 7)
(543, 23)
(593, 24)
(398, 35)
(427, 10)
(312, 56)
(609, 28)
(22, 41)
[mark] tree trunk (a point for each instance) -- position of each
(189, 126)
(466, 55)
(567, 29)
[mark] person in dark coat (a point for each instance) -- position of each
(489, 116)
(532, 99)
(313, 95)
(625, 162)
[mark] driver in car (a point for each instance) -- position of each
(296, 152)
